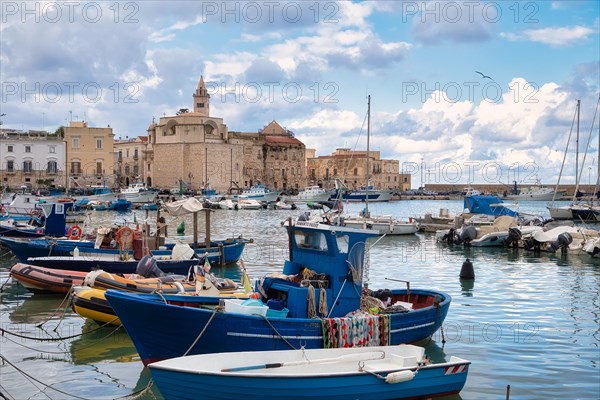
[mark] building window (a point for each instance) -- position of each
(9, 149)
(52, 149)
(27, 149)
(355, 171)
(76, 167)
(135, 170)
(52, 167)
(127, 169)
(120, 156)
(98, 143)
(10, 166)
(148, 166)
(27, 167)
(98, 167)
(75, 143)
(135, 154)
(127, 153)
(335, 172)
(282, 171)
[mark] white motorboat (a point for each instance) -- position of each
(248, 204)
(138, 193)
(384, 224)
(261, 193)
(310, 193)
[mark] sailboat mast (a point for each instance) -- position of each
(577, 154)
(577, 145)
(368, 154)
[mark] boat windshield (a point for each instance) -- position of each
(310, 240)
(342, 242)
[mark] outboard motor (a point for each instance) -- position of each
(148, 268)
(448, 238)
(304, 216)
(514, 235)
(467, 234)
(562, 241)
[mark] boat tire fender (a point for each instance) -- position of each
(74, 232)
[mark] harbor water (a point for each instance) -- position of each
(531, 321)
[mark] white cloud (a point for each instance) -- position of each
(556, 36)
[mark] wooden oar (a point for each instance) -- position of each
(345, 358)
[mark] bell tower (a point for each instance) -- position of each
(201, 99)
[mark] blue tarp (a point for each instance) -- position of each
(490, 205)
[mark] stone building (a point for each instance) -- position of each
(349, 168)
(35, 159)
(129, 167)
(274, 157)
(198, 149)
(90, 158)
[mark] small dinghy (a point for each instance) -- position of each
(46, 280)
(381, 372)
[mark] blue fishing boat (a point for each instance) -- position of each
(385, 372)
(318, 305)
(111, 246)
(119, 204)
(46, 219)
(59, 254)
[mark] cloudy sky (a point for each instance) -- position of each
(310, 66)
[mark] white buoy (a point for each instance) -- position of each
(400, 376)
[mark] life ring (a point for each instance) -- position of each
(74, 232)
(124, 237)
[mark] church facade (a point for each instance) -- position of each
(199, 150)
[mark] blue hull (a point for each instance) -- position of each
(178, 267)
(428, 382)
(42, 247)
(23, 233)
(229, 332)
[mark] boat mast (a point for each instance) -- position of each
(577, 154)
(368, 154)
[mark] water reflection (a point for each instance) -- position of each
(466, 286)
(107, 344)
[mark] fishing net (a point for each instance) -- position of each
(356, 259)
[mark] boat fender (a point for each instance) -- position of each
(400, 376)
(90, 278)
(74, 232)
(179, 286)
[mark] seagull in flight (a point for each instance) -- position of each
(484, 76)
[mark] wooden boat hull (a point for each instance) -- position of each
(223, 252)
(342, 378)
(21, 232)
(230, 332)
(46, 280)
(109, 264)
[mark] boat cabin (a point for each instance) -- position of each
(329, 258)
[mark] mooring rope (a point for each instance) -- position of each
(31, 378)
(217, 309)
(63, 313)
(4, 331)
(277, 332)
